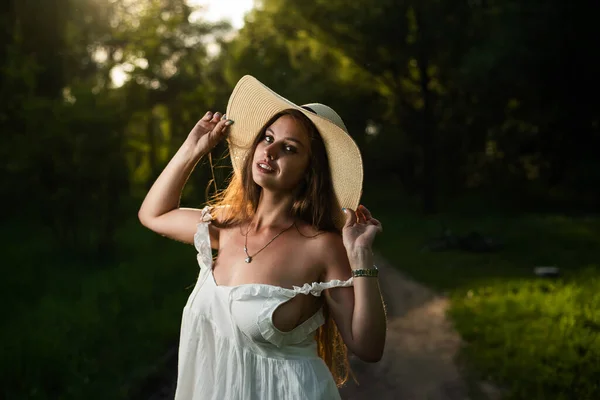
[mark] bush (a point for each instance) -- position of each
(79, 331)
(538, 339)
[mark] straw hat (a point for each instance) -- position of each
(252, 104)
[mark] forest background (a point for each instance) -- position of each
(473, 116)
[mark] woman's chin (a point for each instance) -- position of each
(265, 182)
(271, 185)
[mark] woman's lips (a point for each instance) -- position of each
(265, 167)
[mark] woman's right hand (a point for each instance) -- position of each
(207, 132)
(160, 211)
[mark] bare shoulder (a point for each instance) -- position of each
(328, 242)
(329, 249)
(319, 243)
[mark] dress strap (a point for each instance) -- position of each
(253, 290)
(205, 214)
(316, 288)
(202, 238)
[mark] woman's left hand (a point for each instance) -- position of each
(359, 231)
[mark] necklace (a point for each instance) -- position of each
(248, 256)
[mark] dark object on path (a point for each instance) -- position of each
(473, 242)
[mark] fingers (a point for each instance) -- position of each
(368, 218)
(218, 120)
(377, 224)
(350, 217)
(216, 117)
(360, 216)
(365, 212)
(221, 127)
(207, 117)
(213, 117)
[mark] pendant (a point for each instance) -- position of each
(248, 259)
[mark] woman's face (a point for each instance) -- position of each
(281, 156)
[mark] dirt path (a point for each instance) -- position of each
(421, 345)
(419, 359)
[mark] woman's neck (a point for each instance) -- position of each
(273, 211)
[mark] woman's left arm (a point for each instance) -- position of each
(359, 311)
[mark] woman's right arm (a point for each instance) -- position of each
(160, 211)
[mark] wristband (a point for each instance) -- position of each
(369, 272)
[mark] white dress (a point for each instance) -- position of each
(230, 350)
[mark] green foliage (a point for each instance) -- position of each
(77, 332)
(537, 338)
(79, 142)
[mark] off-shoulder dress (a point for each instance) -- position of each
(229, 348)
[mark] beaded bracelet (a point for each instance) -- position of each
(369, 272)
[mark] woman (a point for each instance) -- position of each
(256, 326)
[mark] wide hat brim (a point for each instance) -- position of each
(252, 104)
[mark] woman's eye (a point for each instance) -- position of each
(286, 147)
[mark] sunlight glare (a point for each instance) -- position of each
(232, 11)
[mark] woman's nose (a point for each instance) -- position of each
(270, 152)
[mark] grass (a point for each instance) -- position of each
(74, 330)
(82, 330)
(537, 338)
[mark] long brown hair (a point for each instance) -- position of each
(314, 204)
